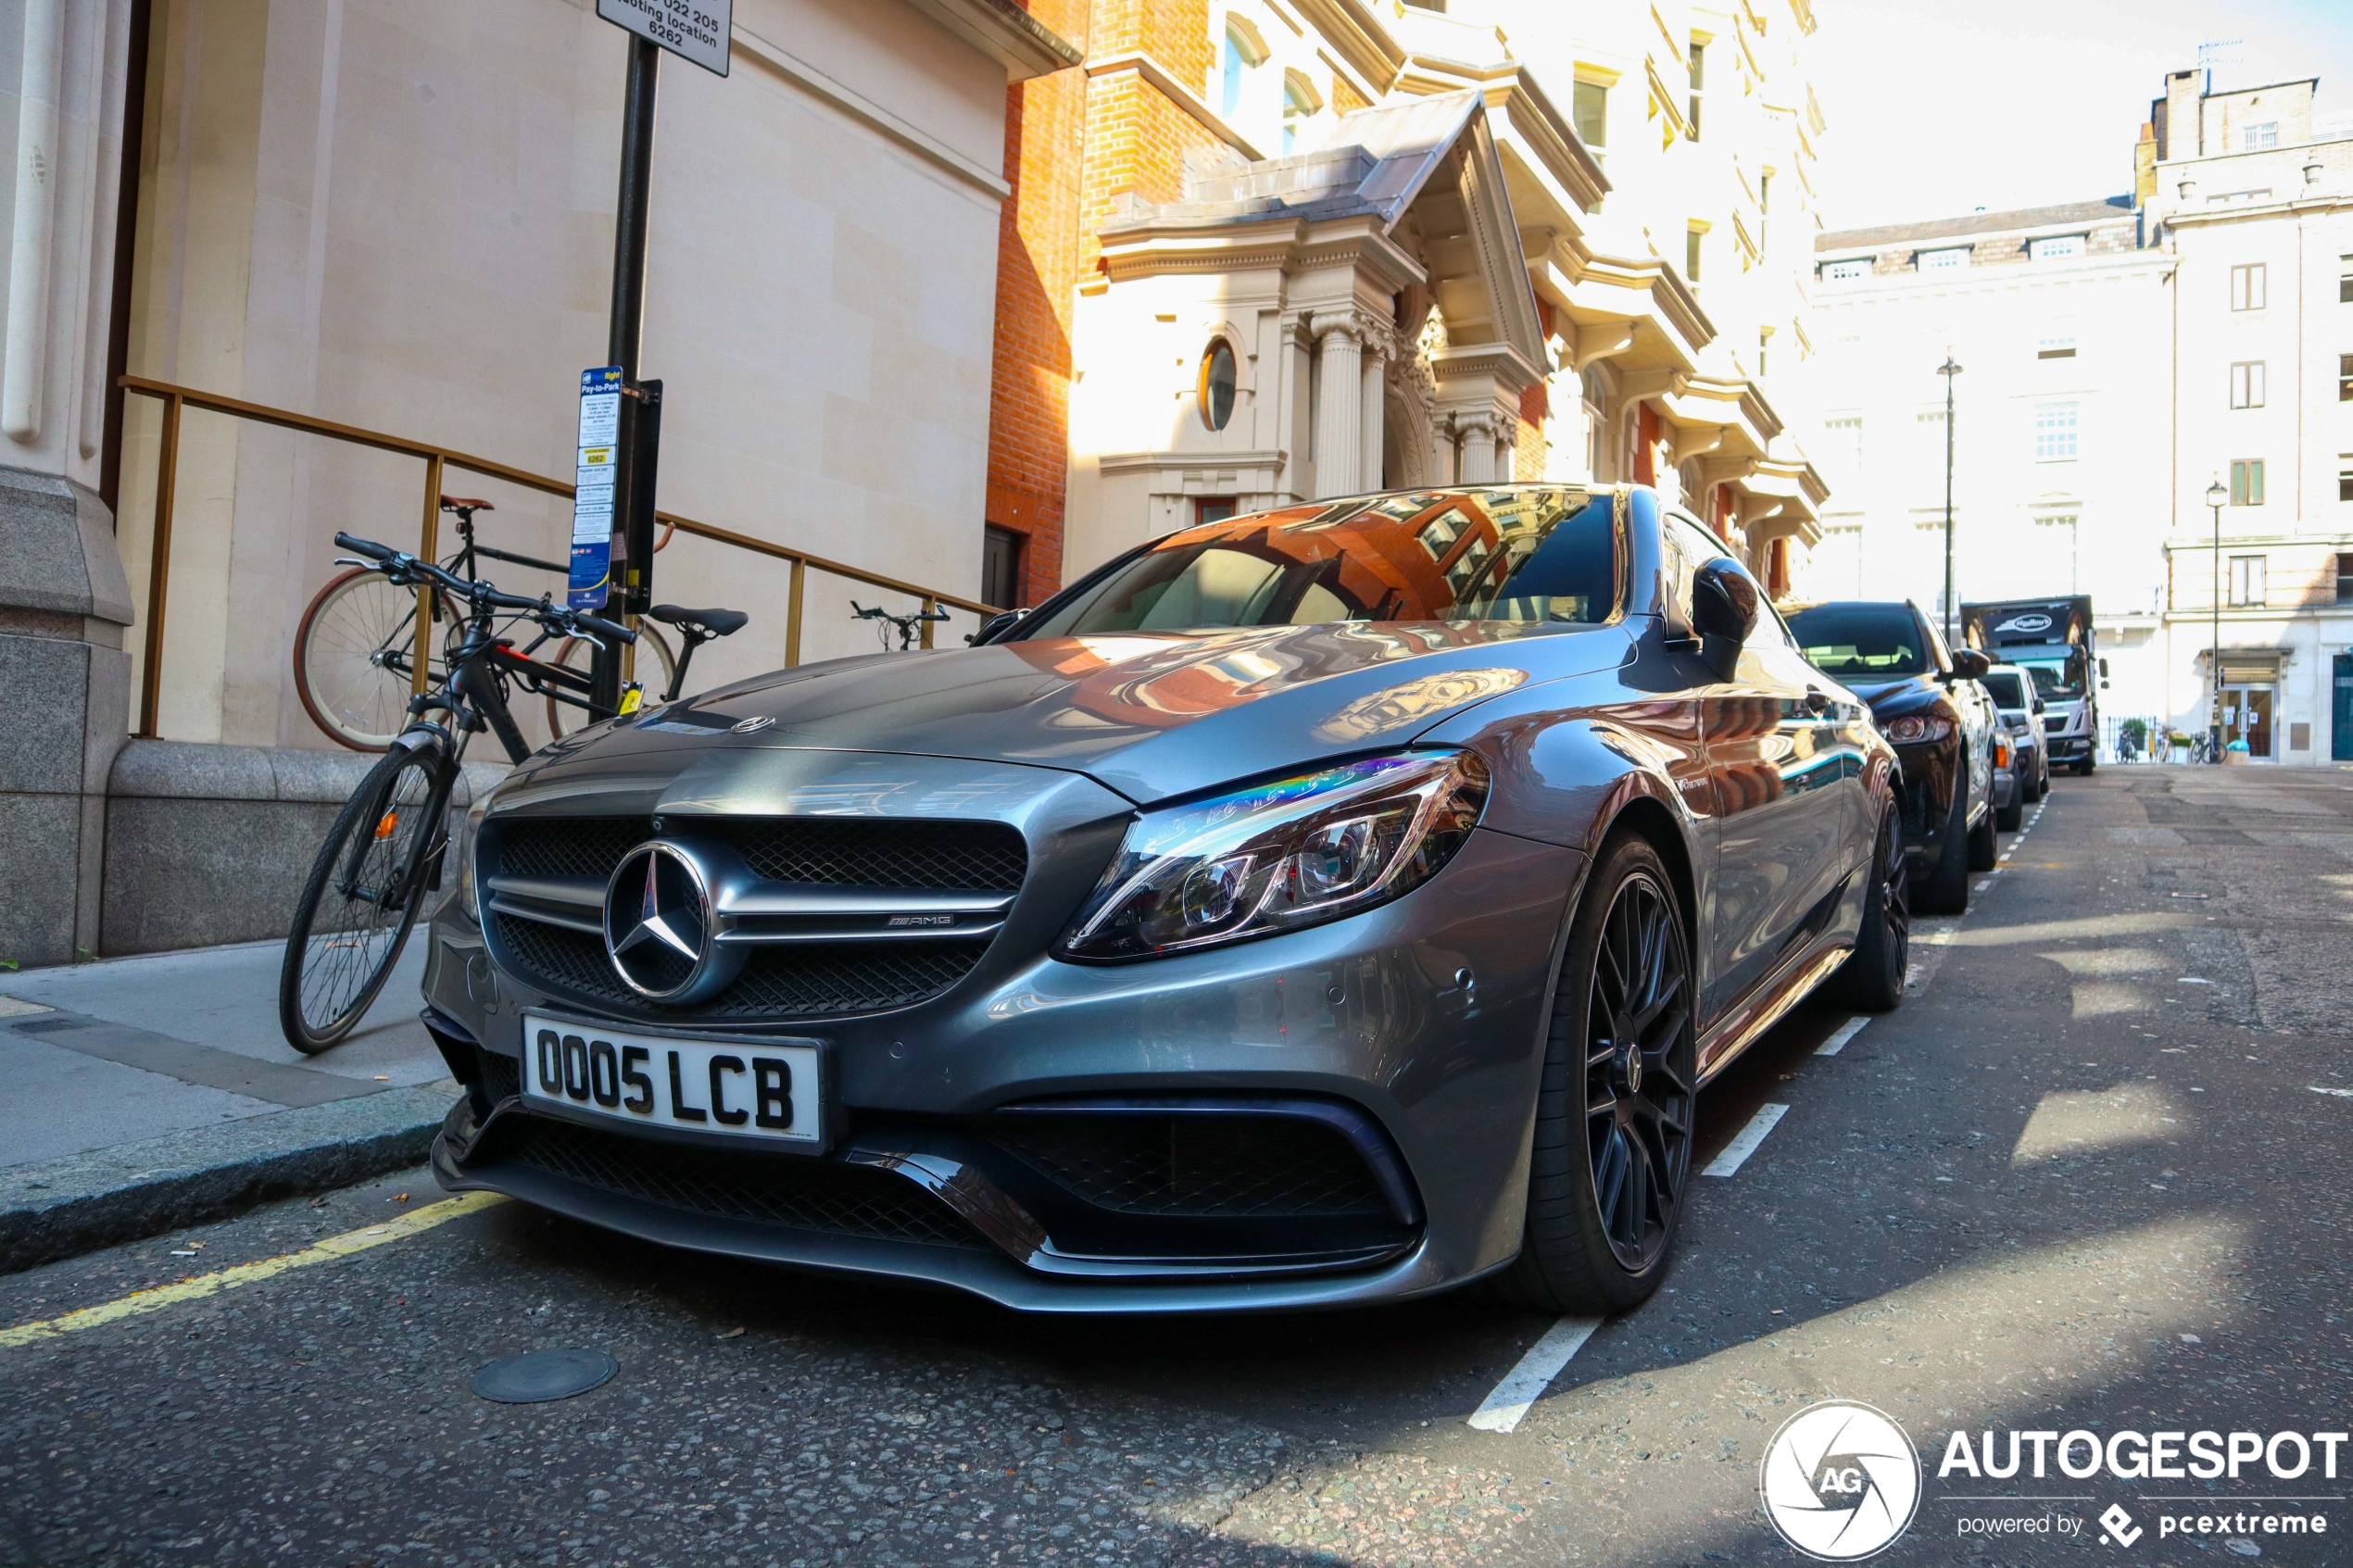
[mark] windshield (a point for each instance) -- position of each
(2060, 679)
(1534, 555)
(1872, 641)
(2007, 689)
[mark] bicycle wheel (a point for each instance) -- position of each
(351, 656)
(362, 897)
(563, 717)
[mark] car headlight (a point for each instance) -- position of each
(1279, 856)
(1917, 727)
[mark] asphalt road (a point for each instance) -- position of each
(2081, 1180)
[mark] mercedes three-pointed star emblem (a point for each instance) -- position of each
(658, 921)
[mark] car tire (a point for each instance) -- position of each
(2085, 767)
(1945, 889)
(1611, 1164)
(1872, 980)
(1984, 842)
(2031, 787)
(2007, 817)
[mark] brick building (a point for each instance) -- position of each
(1263, 251)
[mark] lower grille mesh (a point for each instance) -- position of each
(793, 1191)
(1208, 1166)
(832, 979)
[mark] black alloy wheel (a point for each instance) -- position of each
(1872, 980)
(1613, 1151)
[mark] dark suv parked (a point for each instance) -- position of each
(1929, 704)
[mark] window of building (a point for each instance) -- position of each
(1940, 260)
(2063, 527)
(2345, 280)
(1217, 381)
(2058, 343)
(1843, 436)
(2055, 433)
(2246, 482)
(1243, 54)
(2246, 580)
(1000, 567)
(1699, 81)
(1846, 271)
(2248, 287)
(1592, 115)
(2344, 479)
(1691, 238)
(2246, 384)
(1213, 508)
(2055, 248)
(1764, 346)
(2259, 138)
(2344, 578)
(2345, 378)
(1299, 104)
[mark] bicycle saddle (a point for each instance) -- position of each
(465, 503)
(710, 622)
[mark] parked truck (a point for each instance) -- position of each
(2053, 639)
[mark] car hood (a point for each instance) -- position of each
(1912, 694)
(1150, 715)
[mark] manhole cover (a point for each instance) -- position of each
(543, 1375)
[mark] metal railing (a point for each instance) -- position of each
(438, 460)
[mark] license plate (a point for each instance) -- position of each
(766, 1091)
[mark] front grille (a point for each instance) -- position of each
(793, 1191)
(2054, 723)
(1198, 1165)
(837, 852)
(568, 845)
(779, 980)
(795, 980)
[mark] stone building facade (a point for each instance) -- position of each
(1331, 246)
(2120, 360)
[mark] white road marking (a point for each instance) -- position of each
(1985, 882)
(1846, 1032)
(2341, 1094)
(1736, 1153)
(1524, 1384)
(16, 1006)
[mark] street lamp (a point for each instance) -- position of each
(2217, 497)
(1948, 371)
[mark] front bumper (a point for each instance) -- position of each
(1366, 1028)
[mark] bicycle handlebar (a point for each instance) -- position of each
(398, 564)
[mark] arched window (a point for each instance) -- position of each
(1245, 50)
(1217, 381)
(1300, 103)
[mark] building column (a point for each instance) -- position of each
(1339, 459)
(64, 600)
(1477, 432)
(1370, 429)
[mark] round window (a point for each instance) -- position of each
(1218, 384)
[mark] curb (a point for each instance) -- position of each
(63, 1207)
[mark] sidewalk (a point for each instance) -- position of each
(153, 1092)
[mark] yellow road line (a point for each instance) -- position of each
(327, 1252)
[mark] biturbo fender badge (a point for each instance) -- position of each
(661, 929)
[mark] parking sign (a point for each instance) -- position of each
(692, 29)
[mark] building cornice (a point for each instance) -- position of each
(1140, 63)
(1006, 34)
(1531, 115)
(1288, 243)
(1189, 462)
(1362, 41)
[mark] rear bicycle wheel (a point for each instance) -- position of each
(362, 897)
(575, 653)
(352, 658)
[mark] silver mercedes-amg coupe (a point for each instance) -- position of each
(1330, 905)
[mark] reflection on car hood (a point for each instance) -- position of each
(1889, 698)
(1151, 715)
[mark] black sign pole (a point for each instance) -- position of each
(632, 573)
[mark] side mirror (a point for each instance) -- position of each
(995, 625)
(1723, 601)
(1971, 665)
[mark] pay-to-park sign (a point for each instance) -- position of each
(692, 29)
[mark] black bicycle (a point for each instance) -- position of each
(907, 626)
